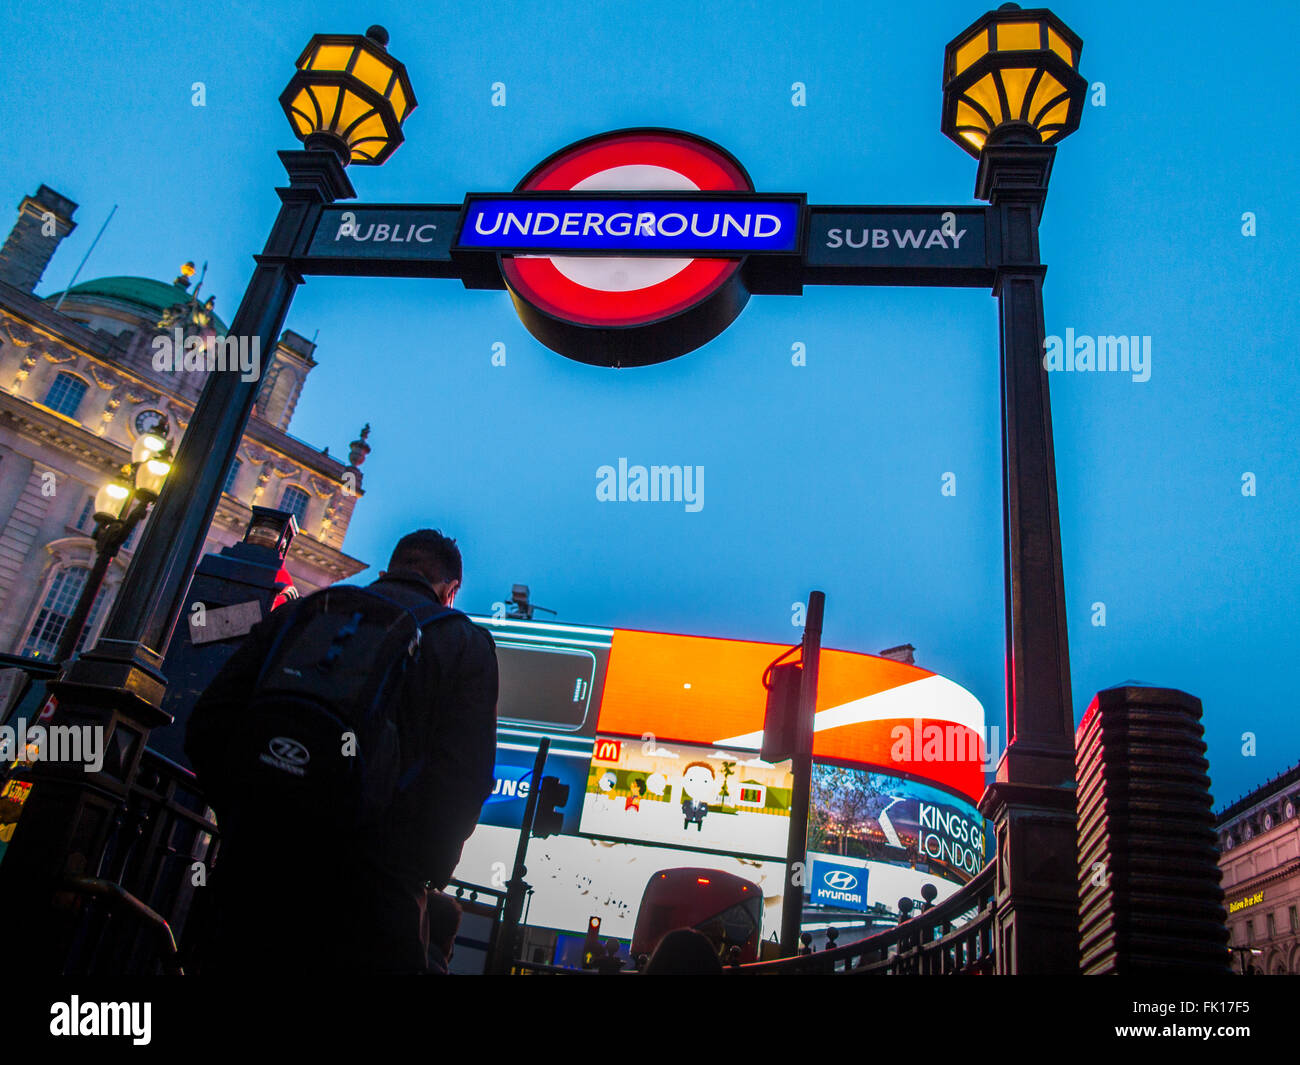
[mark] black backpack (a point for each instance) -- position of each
(319, 746)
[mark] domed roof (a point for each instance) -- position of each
(146, 293)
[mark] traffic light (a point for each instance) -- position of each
(782, 713)
(591, 945)
(549, 818)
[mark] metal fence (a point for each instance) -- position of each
(131, 911)
(955, 938)
(162, 848)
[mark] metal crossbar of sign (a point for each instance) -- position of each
(382, 239)
(948, 245)
(823, 245)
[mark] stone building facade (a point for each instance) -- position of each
(78, 384)
(1259, 846)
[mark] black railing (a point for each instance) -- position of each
(131, 911)
(161, 851)
(955, 937)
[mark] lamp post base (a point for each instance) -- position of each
(1036, 918)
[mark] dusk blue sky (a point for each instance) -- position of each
(826, 476)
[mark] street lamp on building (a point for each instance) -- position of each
(120, 505)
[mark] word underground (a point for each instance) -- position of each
(176, 353)
(102, 1018)
(658, 484)
(1100, 353)
(770, 226)
(53, 743)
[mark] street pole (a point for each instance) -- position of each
(117, 686)
(504, 951)
(1032, 801)
(112, 535)
(796, 853)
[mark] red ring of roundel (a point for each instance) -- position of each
(539, 282)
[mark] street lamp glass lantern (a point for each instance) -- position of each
(349, 96)
(149, 477)
(272, 528)
(1012, 78)
(146, 446)
(110, 500)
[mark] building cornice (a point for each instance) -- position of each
(66, 333)
(68, 435)
(52, 325)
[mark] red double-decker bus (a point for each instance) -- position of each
(726, 909)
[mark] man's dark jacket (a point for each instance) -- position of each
(329, 902)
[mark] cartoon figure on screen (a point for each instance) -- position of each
(634, 800)
(699, 788)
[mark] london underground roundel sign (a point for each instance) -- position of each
(633, 310)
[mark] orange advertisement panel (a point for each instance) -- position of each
(871, 711)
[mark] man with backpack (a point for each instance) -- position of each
(347, 748)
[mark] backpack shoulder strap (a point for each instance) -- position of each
(422, 618)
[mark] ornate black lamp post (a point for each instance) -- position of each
(347, 103)
(1011, 91)
(120, 505)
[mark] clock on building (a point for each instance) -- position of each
(150, 421)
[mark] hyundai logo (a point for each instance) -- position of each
(839, 880)
(291, 751)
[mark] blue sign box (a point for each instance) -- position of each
(843, 886)
(700, 225)
(514, 780)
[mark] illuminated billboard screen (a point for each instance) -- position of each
(550, 676)
(859, 814)
(657, 736)
(871, 711)
(574, 878)
(680, 795)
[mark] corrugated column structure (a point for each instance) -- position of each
(1149, 883)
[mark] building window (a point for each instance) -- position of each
(1268, 924)
(1250, 931)
(66, 393)
(56, 611)
(294, 501)
(1295, 924)
(230, 477)
(87, 512)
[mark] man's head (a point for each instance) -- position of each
(431, 556)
